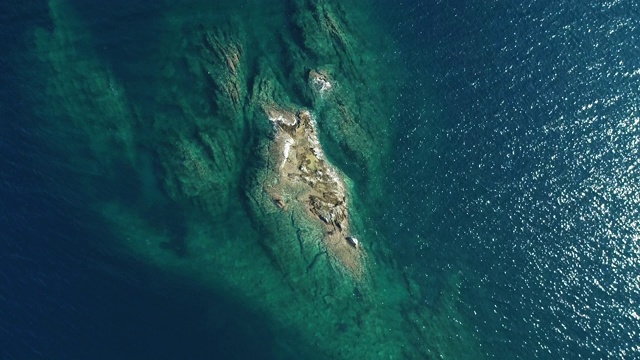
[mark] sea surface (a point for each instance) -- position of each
(515, 167)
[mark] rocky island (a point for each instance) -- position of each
(306, 177)
(231, 189)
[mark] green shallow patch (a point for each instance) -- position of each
(195, 155)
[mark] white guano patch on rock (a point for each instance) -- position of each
(286, 149)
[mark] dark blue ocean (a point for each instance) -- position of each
(516, 161)
(528, 176)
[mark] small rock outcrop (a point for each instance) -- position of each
(318, 187)
(320, 81)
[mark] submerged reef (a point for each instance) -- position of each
(261, 163)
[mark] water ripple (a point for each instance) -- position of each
(532, 178)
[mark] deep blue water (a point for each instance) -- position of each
(517, 163)
(521, 167)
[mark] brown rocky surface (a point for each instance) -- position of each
(320, 81)
(306, 177)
